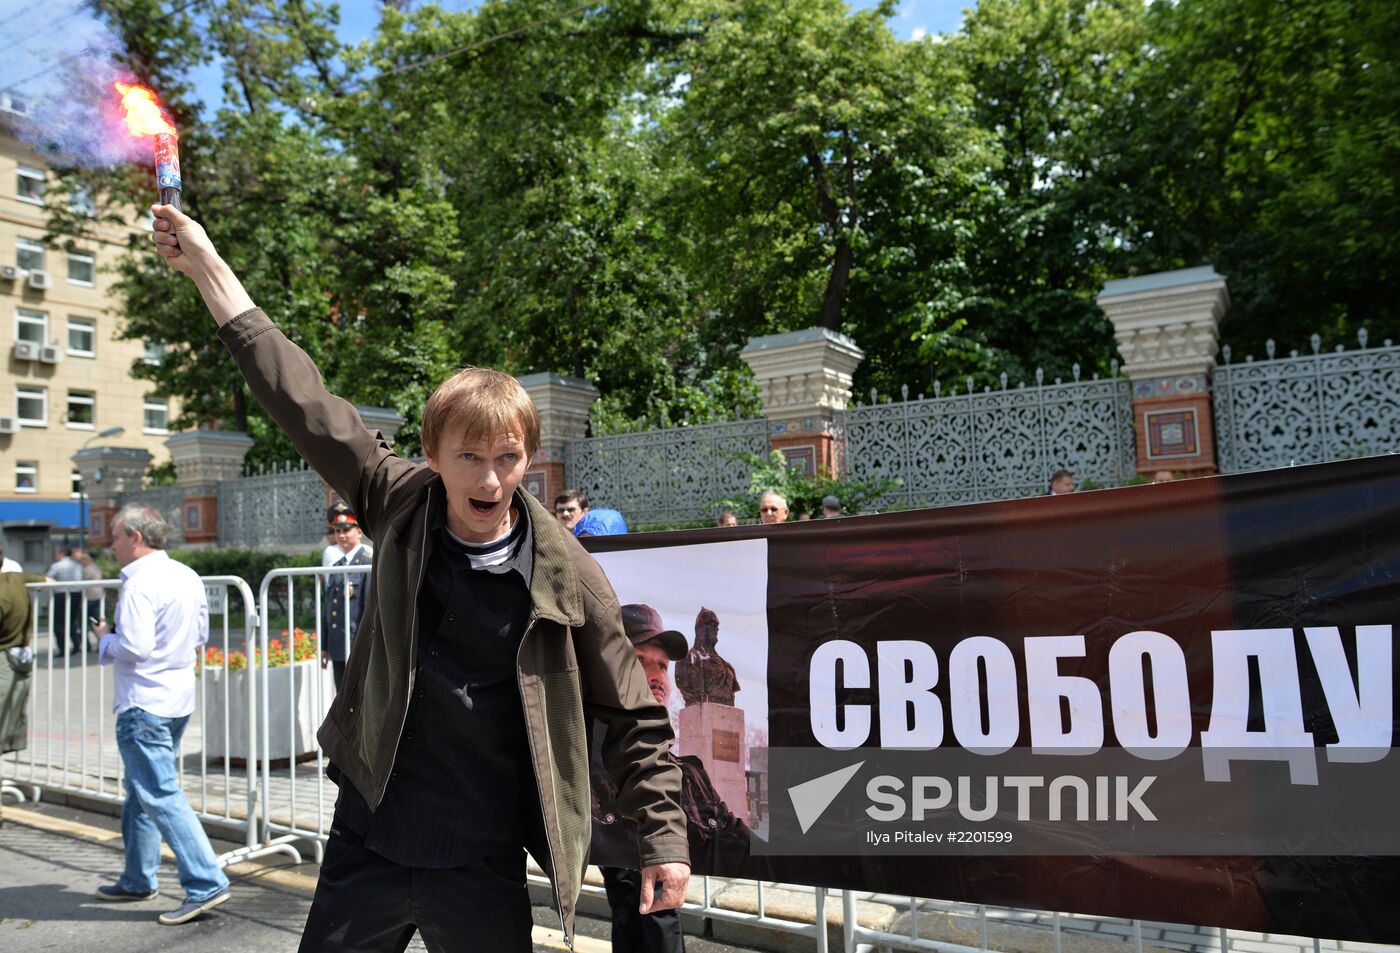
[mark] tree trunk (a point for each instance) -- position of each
(834, 298)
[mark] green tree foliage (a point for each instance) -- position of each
(628, 192)
(1264, 137)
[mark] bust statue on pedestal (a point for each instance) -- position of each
(704, 676)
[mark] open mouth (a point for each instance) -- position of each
(483, 507)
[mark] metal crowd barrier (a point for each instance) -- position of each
(72, 745)
(298, 801)
(256, 719)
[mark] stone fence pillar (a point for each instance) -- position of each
(386, 420)
(108, 473)
(202, 459)
(563, 403)
(804, 380)
(1168, 330)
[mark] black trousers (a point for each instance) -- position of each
(68, 622)
(365, 902)
(658, 932)
(338, 672)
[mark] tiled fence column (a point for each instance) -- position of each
(1168, 330)
(563, 403)
(202, 458)
(804, 380)
(109, 473)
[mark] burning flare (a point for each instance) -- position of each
(144, 117)
(142, 111)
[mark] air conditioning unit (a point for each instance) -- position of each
(9, 425)
(28, 350)
(40, 280)
(51, 354)
(11, 273)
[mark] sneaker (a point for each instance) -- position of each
(118, 892)
(190, 909)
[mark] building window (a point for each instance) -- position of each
(29, 254)
(82, 409)
(80, 201)
(157, 416)
(29, 184)
(31, 326)
(155, 353)
(32, 406)
(82, 337)
(82, 270)
(75, 483)
(12, 103)
(26, 476)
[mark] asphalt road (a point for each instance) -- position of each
(52, 858)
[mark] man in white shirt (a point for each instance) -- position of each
(162, 621)
(7, 564)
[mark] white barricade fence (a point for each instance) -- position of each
(250, 759)
(296, 688)
(72, 741)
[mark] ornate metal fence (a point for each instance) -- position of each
(169, 501)
(1308, 408)
(661, 476)
(994, 445)
(280, 508)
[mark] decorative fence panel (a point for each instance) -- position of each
(665, 476)
(1309, 408)
(168, 501)
(994, 445)
(286, 508)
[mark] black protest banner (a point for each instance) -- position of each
(1169, 702)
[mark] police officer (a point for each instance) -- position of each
(344, 600)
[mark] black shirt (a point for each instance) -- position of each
(462, 786)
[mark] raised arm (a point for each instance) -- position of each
(326, 430)
(187, 248)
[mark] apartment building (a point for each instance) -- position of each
(67, 375)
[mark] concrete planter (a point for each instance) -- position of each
(293, 713)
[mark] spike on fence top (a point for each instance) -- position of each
(1225, 353)
(1362, 336)
(874, 397)
(1059, 380)
(1340, 348)
(937, 388)
(1270, 347)
(1113, 365)
(1004, 379)
(1294, 352)
(1249, 358)
(1316, 343)
(1096, 376)
(1076, 370)
(1021, 386)
(904, 391)
(1039, 376)
(969, 383)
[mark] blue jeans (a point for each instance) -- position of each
(156, 807)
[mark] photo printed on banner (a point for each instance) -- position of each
(714, 683)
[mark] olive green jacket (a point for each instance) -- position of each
(575, 662)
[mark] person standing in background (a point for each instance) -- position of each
(344, 601)
(16, 661)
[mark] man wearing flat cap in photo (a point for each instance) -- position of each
(712, 830)
(344, 600)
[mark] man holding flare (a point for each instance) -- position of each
(489, 641)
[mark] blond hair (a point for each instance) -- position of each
(480, 403)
